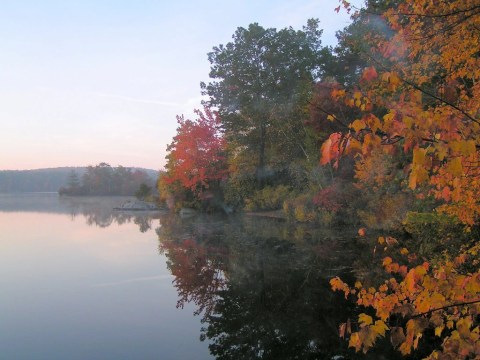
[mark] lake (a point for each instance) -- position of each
(81, 281)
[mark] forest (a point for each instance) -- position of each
(380, 132)
(39, 180)
(105, 180)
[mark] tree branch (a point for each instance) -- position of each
(416, 87)
(447, 307)
(453, 13)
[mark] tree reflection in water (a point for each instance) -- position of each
(98, 211)
(261, 286)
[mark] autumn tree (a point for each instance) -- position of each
(419, 97)
(258, 81)
(196, 159)
(423, 100)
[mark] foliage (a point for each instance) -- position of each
(143, 192)
(329, 198)
(268, 198)
(259, 294)
(260, 82)
(392, 115)
(421, 97)
(196, 159)
(418, 103)
(300, 208)
(238, 187)
(418, 299)
(432, 226)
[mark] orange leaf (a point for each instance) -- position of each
(387, 261)
(369, 74)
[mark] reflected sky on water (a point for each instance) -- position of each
(81, 281)
(71, 290)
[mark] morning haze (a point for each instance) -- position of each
(224, 180)
(86, 82)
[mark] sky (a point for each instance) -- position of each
(90, 81)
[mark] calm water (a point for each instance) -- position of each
(80, 281)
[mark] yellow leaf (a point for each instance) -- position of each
(394, 79)
(357, 125)
(365, 319)
(422, 175)
(455, 167)
(355, 341)
(438, 330)
(389, 117)
(419, 156)
(437, 300)
(408, 121)
(442, 152)
(380, 327)
(463, 327)
(330, 117)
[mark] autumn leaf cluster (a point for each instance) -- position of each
(419, 100)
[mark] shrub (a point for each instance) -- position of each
(269, 198)
(384, 211)
(433, 233)
(300, 209)
(431, 226)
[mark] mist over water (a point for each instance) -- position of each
(82, 281)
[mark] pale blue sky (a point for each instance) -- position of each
(86, 81)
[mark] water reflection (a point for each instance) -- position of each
(261, 286)
(75, 291)
(97, 211)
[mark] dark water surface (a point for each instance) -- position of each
(80, 281)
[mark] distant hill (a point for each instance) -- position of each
(45, 180)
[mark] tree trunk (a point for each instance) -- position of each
(261, 155)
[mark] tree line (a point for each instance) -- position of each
(38, 180)
(104, 180)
